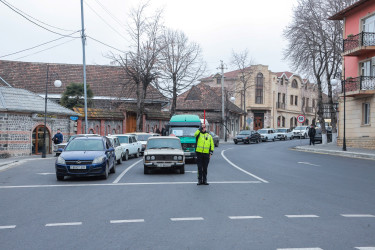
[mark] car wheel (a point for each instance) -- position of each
(146, 170)
(60, 177)
(182, 169)
(291, 138)
(106, 172)
(126, 156)
(113, 169)
(119, 161)
(235, 142)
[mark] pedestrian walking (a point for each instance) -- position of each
(58, 137)
(204, 150)
(311, 134)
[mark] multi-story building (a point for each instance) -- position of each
(358, 75)
(271, 99)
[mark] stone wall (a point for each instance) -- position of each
(368, 143)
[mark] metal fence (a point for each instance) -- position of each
(361, 39)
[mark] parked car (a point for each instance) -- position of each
(130, 146)
(247, 136)
(216, 138)
(318, 134)
(86, 156)
(119, 151)
(58, 148)
(284, 134)
(142, 138)
(267, 134)
(301, 132)
(164, 152)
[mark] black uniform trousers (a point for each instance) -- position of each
(202, 162)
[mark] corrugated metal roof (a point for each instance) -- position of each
(21, 100)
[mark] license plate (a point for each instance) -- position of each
(239, 139)
(160, 165)
(78, 167)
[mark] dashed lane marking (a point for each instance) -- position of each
(234, 165)
(45, 173)
(365, 248)
(302, 216)
(358, 215)
(127, 221)
(64, 224)
(187, 219)
(244, 217)
(308, 163)
(8, 227)
(311, 248)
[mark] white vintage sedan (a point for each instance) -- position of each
(163, 152)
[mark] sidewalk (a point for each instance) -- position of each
(11, 160)
(333, 149)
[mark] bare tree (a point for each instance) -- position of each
(242, 62)
(181, 64)
(139, 63)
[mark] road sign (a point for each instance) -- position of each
(74, 118)
(301, 118)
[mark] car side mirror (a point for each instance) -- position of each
(111, 149)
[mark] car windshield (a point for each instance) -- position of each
(263, 131)
(245, 132)
(72, 137)
(123, 139)
(281, 130)
(299, 128)
(164, 143)
(85, 145)
(183, 131)
(143, 137)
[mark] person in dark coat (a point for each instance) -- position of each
(311, 134)
(58, 137)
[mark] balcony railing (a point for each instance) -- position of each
(280, 105)
(309, 109)
(361, 39)
(360, 83)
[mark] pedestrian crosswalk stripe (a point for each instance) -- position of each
(244, 217)
(358, 215)
(187, 219)
(8, 227)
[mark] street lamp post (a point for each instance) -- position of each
(57, 84)
(334, 82)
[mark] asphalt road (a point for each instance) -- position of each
(261, 196)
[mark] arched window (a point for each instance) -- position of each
(259, 89)
(294, 84)
(283, 121)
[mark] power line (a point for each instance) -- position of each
(34, 17)
(47, 49)
(110, 14)
(106, 44)
(2, 1)
(35, 46)
(104, 21)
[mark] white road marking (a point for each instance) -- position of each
(234, 165)
(187, 219)
(365, 248)
(125, 171)
(302, 216)
(45, 173)
(193, 172)
(313, 248)
(8, 227)
(244, 217)
(358, 215)
(308, 163)
(64, 224)
(127, 184)
(126, 221)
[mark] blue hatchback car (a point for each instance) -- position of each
(86, 156)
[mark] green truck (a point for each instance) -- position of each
(184, 127)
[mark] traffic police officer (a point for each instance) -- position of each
(204, 150)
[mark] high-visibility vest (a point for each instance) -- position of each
(205, 143)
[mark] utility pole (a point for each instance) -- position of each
(84, 66)
(223, 125)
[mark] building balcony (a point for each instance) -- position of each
(360, 86)
(309, 110)
(280, 105)
(360, 44)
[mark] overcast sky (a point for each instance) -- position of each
(219, 27)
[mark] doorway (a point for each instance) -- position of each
(37, 140)
(258, 120)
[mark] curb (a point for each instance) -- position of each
(339, 153)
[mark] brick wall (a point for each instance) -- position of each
(368, 142)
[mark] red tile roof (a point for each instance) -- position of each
(345, 12)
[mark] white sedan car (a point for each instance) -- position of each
(284, 134)
(267, 134)
(119, 151)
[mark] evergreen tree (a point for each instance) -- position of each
(73, 96)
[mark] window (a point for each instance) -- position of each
(313, 104)
(284, 98)
(296, 101)
(218, 80)
(278, 97)
(368, 25)
(303, 101)
(291, 99)
(307, 102)
(282, 81)
(366, 113)
(259, 89)
(294, 84)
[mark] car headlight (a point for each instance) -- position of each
(175, 158)
(148, 158)
(98, 159)
(180, 158)
(60, 160)
(152, 158)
